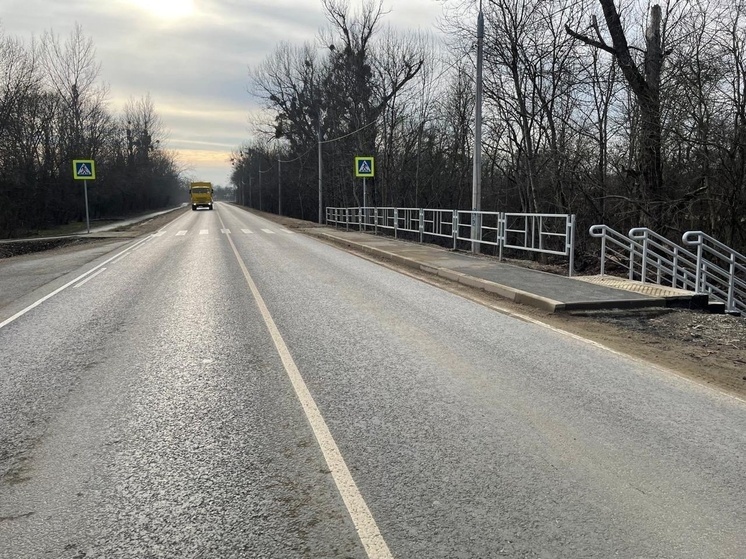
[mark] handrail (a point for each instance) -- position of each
(729, 284)
(630, 247)
(670, 262)
(716, 269)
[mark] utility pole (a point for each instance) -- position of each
(279, 186)
(318, 137)
(476, 194)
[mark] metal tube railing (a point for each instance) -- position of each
(537, 233)
(715, 269)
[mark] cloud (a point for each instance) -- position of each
(194, 60)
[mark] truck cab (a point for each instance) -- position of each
(200, 194)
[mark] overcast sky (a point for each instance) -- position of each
(192, 56)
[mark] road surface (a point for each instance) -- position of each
(228, 388)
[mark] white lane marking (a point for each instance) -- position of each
(247, 231)
(367, 529)
(35, 304)
(225, 231)
(121, 257)
(89, 278)
(181, 233)
(268, 231)
(203, 231)
(287, 231)
(160, 233)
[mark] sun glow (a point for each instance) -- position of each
(166, 9)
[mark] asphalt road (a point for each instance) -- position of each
(228, 388)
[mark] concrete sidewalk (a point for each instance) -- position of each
(550, 292)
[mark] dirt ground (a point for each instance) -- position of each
(705, 348)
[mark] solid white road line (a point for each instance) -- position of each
(366, 526)
(72, 282)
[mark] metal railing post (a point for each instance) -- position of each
(422, 224)
(375, 217)
(454, 229)
(396, 223)
(571, 244)
(502, 221)
(699, 281)
(732, 283)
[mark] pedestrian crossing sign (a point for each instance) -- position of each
(84, 169)
(364, 167)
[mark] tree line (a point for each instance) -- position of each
(53, 109)
(631, 115)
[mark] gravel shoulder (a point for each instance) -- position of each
(706, 348)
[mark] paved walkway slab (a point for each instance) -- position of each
(547, 291)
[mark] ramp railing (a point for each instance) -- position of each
(720, 272)
(616, 248)
(715, 269)
(664, 262)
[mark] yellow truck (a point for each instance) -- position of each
(201, 195)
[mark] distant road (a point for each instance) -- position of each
(228, 388)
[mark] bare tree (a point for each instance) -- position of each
(644, 80)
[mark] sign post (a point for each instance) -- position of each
(364, 167)
(85, 169)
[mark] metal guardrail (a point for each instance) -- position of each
(715, 269)
(537, 233)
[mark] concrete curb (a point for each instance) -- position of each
(503, 291)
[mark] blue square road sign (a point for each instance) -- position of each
(364, 167)
(84, 169)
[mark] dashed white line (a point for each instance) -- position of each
(89, 278)
(71, 282)
(203, 231)
(181, 233)
(225, 231)
(268, 231)
(247, 231)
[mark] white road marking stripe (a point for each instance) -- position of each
(160, 233)
(268, 231)
(225, 231)
(89, 278)
(203, 231)
(366, 526)
(181, 233)
(247, 231)
(35, 304)
(287, 231)
(121, 257)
